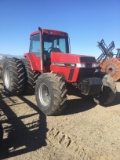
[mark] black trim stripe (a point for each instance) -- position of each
(71, 74)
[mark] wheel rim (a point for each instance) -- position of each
(44, 95)
(7, 78)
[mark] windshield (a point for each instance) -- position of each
(55, 43)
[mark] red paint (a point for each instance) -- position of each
(65, 58)
(48, 31)
(58, 58)
(65, 70)
(34, 61)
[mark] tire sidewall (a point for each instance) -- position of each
(6, 67)
(108, 91)
(40, 82)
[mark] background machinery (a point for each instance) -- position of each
(109, 62)
(48, 69)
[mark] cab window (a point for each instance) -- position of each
(35, 44)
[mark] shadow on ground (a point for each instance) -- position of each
(78, 105)
(22, 138)
(116, 100)
(81, 105)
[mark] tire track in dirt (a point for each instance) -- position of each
(65, 138)
(70, 144)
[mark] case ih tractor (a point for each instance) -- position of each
(51, 71)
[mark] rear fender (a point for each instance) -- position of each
(34, 61)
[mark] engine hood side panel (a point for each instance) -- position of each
(65, 64)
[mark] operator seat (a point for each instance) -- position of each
(55, 50)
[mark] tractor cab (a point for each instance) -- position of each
(44, 41)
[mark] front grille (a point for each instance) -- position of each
(87, 59)
(85, 73)
(88, 65)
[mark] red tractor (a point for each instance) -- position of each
(50, 70)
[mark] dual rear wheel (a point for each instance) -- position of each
(50, 90)
(31, 77)
(18, 77)
(13, 76)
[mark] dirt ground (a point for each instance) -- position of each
(85, 131)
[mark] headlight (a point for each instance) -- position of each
(88, 65)
(94, 65)
(80, 65)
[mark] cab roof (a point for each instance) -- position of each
(50, 32)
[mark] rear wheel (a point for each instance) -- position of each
(50, 94)
(31, 77)
(13, 76)
(108, 91)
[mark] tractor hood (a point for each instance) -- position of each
(70, 65)
(59, 58)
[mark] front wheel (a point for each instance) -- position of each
(108, 91)
(50, 91)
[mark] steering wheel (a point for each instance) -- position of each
(53, 49)
(49, 49)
